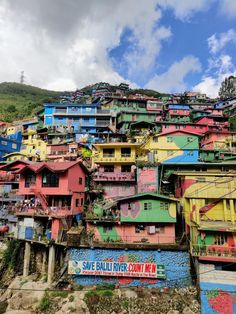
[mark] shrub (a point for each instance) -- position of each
(45, 303)
(71, 298)
(3, 307)
(62, 294)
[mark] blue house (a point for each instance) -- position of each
(10, 144)
(84, 118)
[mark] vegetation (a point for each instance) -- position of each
(3, 307)
(232, 121)
(18, 101)
(61, 294)
(45, 303)
(11, 254)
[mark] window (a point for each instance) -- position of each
(86, 119)
(4, 142)
(88, 109)
(80, 180)
(50, 179)
(129, 206)
(155, 139)
(139, 228)
(108, 168)
(147, 206)
(126, 168)
(169, 139)
(108, 152)
(107, 229)
(77, 202)
(14, 146)
(164, 206)
(30, 179)
(125, 152)
(177, 126)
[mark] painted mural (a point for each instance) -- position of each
(177, 266)
(218, 299)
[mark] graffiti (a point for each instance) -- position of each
(177, 274)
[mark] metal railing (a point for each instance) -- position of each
(213, 250)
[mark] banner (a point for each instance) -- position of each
(118, 269)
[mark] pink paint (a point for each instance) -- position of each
(118, 190)
(147, 180)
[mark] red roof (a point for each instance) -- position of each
(53, 166)
(178, 131)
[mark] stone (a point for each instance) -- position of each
(187, 310)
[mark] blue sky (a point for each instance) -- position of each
(166, 45)
(190, 36)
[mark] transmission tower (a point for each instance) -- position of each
(22, 77)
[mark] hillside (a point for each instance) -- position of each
(18, 101)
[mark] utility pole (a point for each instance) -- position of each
(22, 77)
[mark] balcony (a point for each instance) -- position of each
(24, 210)
(112, 158)
(114, 176)
(214, 252)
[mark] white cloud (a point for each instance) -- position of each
(220, 68)
(218, 41)
(184, 9)
(173, 79)
(228, 8)
(63, 44)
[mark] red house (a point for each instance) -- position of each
(51, 190)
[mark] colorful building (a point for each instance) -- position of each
(114, 165)
(170, 147)
(209, 202)
(84, 118)
(53, 193)
(141, 218)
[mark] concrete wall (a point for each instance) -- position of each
(217, 290)
(176, 265)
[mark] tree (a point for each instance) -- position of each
(228, 88)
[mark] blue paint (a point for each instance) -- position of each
(187, 156)
(176, 266)
(207, 292)
(10, 144)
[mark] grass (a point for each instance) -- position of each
(61, 294)
(18, 101)
(45, 303)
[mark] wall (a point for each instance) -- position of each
(147, 179)
(127, 233)
(118, 189)
(158, 211)
(217, 290)
(176, 265)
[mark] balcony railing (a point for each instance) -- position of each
(109, 155)
(24, 210)
(214, 251)
(114, 176)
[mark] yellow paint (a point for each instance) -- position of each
(162, 149)
(13, 129)
(34, 147)
(15, 156)
(116, 157)
(172, 210)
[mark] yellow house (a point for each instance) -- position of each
(173, 146)
(15, 156)
(115, 153)
(209, 203)
(34, 147)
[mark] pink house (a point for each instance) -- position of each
(54, 191)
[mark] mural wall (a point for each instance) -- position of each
(177, 266)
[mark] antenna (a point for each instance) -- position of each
(22, 77)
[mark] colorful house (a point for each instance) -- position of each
(53, 193)
(115, 168)
(222, 141)
(209, 202)
(84, 118)
(176, 113)
(170, 147)
(141, 218)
